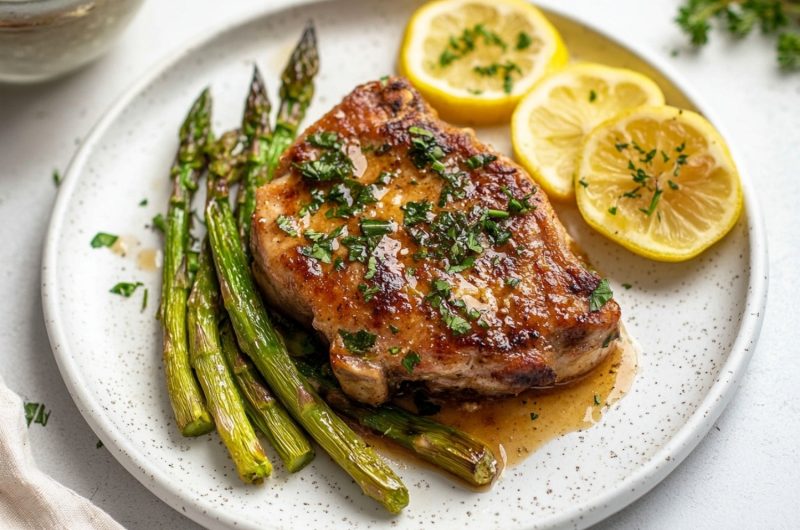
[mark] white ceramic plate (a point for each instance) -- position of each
(697, 321)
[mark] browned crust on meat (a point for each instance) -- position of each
(541, 331)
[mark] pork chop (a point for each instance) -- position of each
(422, 255)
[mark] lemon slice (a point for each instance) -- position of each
(551, 122)
(474, 59)
(659, 181)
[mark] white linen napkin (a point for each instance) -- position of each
(28, 497)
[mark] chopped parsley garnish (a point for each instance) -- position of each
(512, 282)
(332, 165)
(620, 146)
(358, 342)
(143, 202)
(627, 285)
(98, 445)
(368, 291)
(339, 264)
(57, 178)
(321, 247)
(159, 223)
(359, 248)
(424, 148)
(582, 182)
(36, 413)
(592, 96)
(601, 294)
(611, 337)
(394, 350)
(144, 299)
(653, 202)
(645, 180)
(480, 160)
(451, 235)
(394, 329)
(534, 416)
(518, 206)
(596, 399)
(497, 214)
(454, 188)
(410, 361)
(325, 140)
(349, 198)
(101, 239)
(317, 200)
(376, 227)
(372, 268)
(287, 224)
(460, 267)
(126, 289)
(523, 41)
(505, 70)
(424, 152)
(384, 178)
(415, 212)
(440, 299)
(495, 232)
(459, 46)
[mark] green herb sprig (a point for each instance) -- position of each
(739, 17)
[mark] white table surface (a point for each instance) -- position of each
(745, 474)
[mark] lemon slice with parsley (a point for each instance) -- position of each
(660, 181)
(551, 122)
(474, 59)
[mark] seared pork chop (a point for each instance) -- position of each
(422, 255)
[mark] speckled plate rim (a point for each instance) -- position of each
(666, 459)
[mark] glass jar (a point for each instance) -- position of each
(41, 39)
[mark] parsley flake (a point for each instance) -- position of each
(287, 224)
(523, 41)
(126, 289)
(368, 291)
(410, 361)
(101, 239)
(480, 160)
(358, 342)
(36, 413)
(415, 212)
(159, 223)
(601, 294)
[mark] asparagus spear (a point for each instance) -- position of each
(257, 131)
(445, 447)
(205, 352)
(259, 340)
(264, 410)
(297, 89)
(187, 401)
(266, 413)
